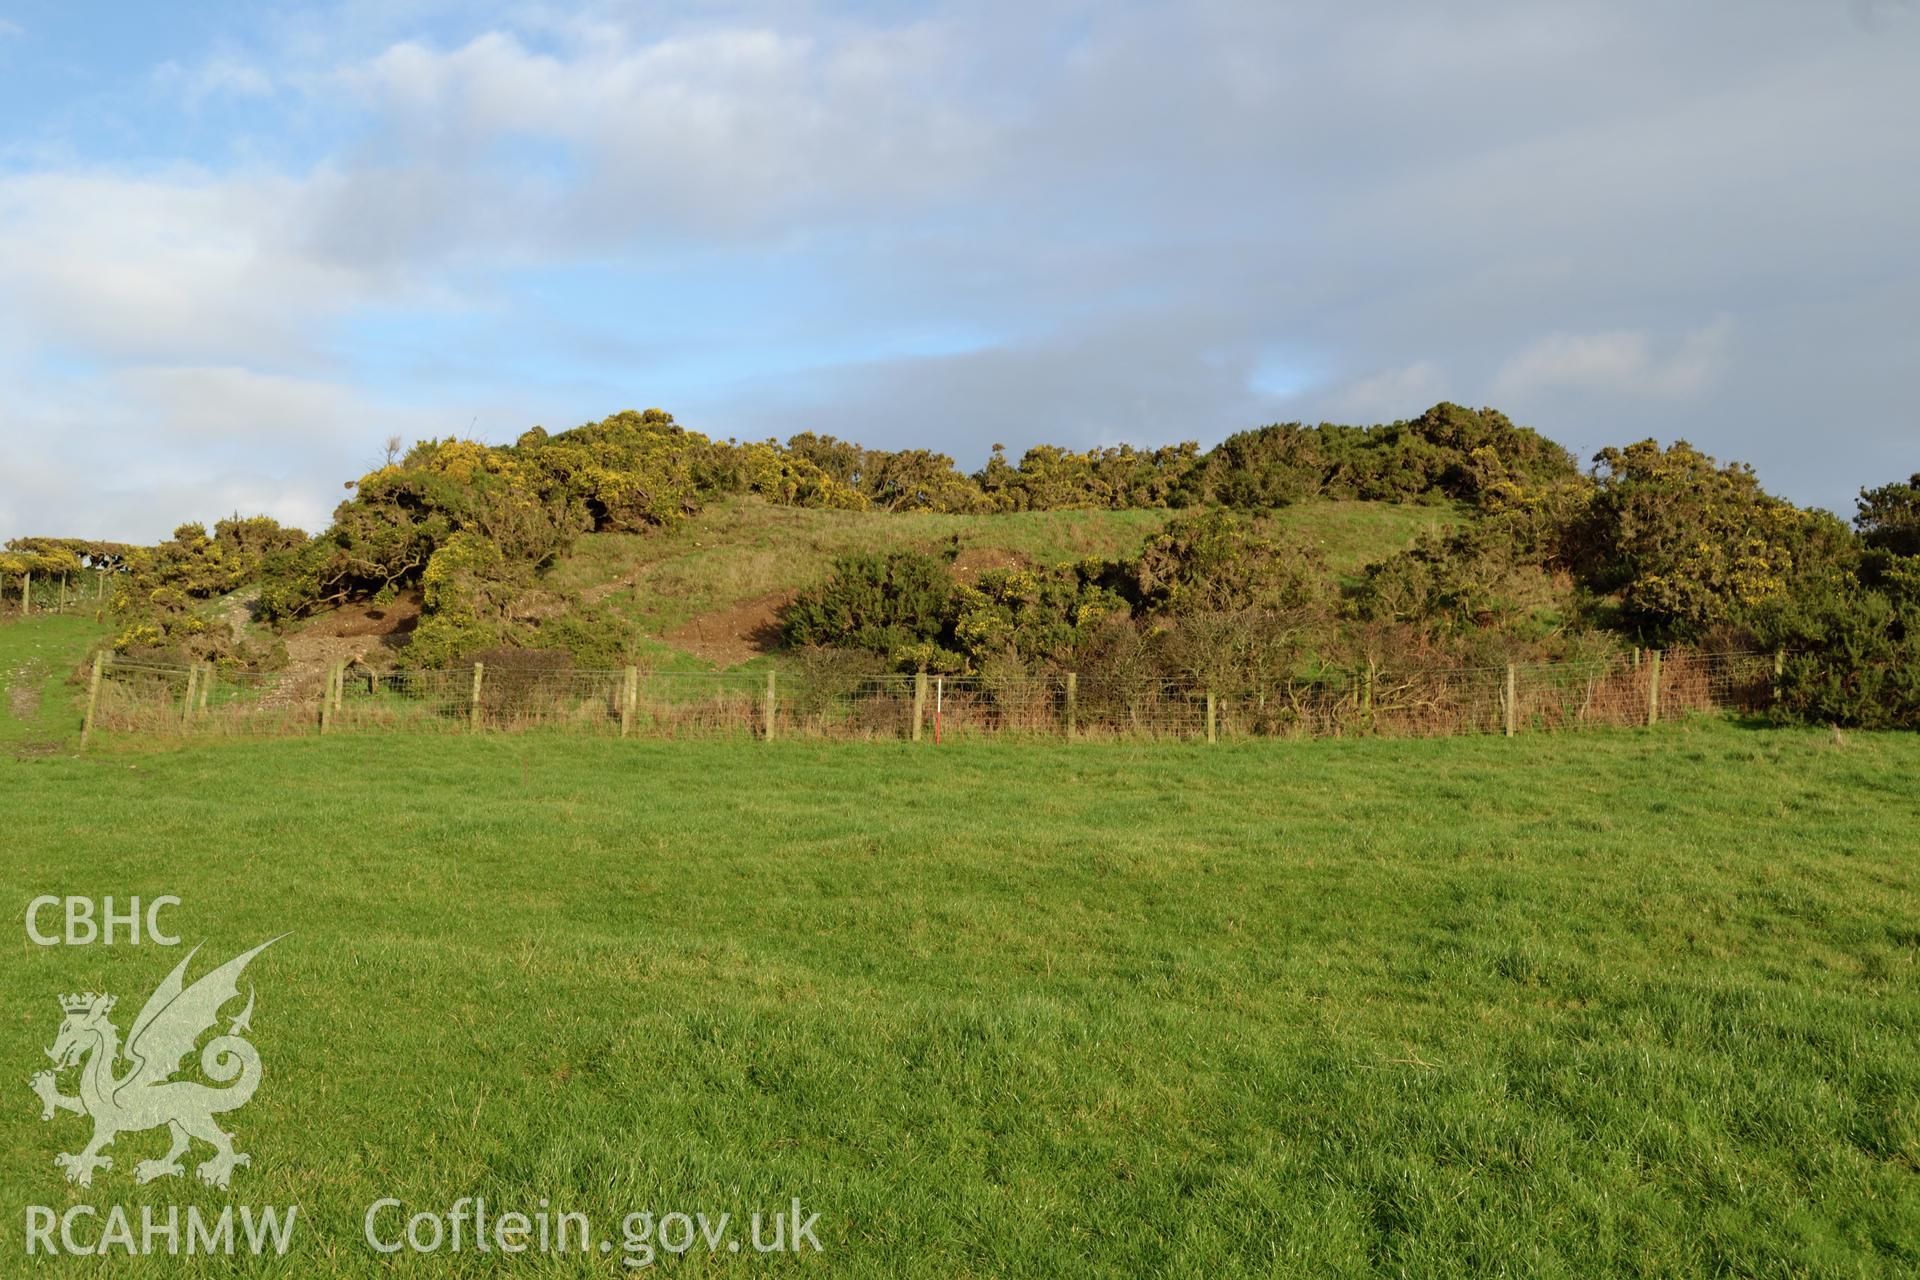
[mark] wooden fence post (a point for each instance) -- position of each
(919, 705)
(1073, 698)
(93, 699)
(206, 686)
(473, 699)
(1779, 672)
(629, 694)
(99, 584)
(1511, 700)
(771, 708)
(1213, 724)
(1653, 686)
(326, 702)
(193, 690)
(63, 593)
(339, 683)
(26, 594)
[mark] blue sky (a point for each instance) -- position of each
(241, 246)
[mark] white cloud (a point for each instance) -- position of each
(70, 499)
(1623, 362)
(715, 132)
(181, 263)
(200, 403)
(133, 453)
(1391, 394)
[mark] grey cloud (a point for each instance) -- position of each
(1067, 389)
(1614, 220)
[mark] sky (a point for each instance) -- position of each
(241, 246)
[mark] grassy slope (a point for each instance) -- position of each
(746, 549)
(39, 705)
(1634, 1004)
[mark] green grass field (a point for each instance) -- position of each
(1614, 1004)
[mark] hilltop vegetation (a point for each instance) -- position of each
(714, 585)
(1479, 541)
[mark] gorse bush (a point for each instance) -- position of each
(1889, 518)
(1212, 561)
(1687, 543)
(1475, 579)
(880, 602)
(1114, 479)
(468, 591)
(64, 555)
(158, 602)
(1852, 653)
(1032, 618)
(1447, 452)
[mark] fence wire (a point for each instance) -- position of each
(147, 697)
(87, 592)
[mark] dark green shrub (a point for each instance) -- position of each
(1031, 616)
(1448, 585)
(1889, 518)
(1687, 544)
(880, 602)
(1268, 467)
(595, 638)
(1852, 650)
(1213, 562)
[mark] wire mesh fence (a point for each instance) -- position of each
(84, 592)
(1625, 689)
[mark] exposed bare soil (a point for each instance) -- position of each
(369, 633)
(735, 634)
(23, 690)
